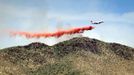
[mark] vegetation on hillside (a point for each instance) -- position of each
(78, 56)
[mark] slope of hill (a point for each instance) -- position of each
(78, 56)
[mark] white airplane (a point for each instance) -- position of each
(96, 22)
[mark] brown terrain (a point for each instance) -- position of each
(78, 56)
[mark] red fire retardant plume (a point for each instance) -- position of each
(55, 34)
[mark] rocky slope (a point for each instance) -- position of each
(78, 56)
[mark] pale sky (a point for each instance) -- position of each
(46, 15)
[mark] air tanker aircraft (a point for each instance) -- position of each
(96, 22)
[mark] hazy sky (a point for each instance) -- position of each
(47, 15)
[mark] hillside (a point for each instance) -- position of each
(78, 56)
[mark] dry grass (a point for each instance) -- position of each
(91, 64)
(8, 68)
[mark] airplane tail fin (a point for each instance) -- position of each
(91, 21)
